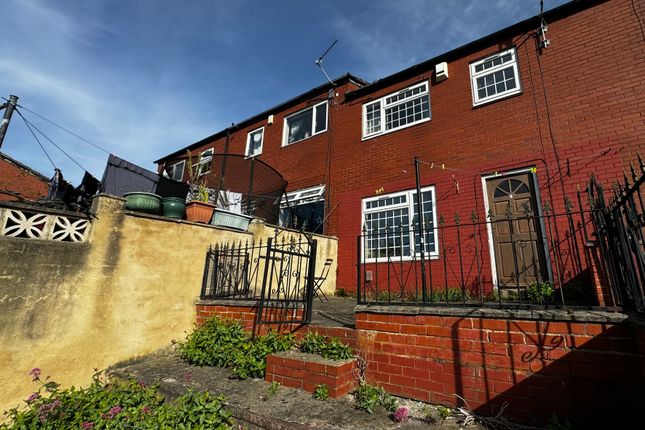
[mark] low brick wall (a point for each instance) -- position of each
(576, 365)
(245, 311)
(306, 371)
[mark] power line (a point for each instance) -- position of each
(34, 134)
(53, 143)
(64, 129)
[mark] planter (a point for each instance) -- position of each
(174, 207)
(143, 202)
(225, 218)
(199, 211)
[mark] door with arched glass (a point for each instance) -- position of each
(516, 230)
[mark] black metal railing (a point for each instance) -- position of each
(546, 261)
(278, 274)
(620, 230)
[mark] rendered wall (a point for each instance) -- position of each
(69, 308)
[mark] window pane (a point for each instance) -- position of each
(321, 118)
(255, 143)
(404, 113)
(299, 126)
(428, 222)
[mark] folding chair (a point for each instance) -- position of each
(320, 280)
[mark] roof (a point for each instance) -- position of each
(552, 15)
(275, 109)
(24, 167)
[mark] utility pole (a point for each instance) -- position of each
(8, 107)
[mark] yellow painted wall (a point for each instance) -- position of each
(69, 308)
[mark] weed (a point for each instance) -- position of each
(321, 392)
(273, 388)
(333, 348)
(368, 397)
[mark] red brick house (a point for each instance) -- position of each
(18, 181)
(506, 121)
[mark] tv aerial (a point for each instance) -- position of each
(319, 62)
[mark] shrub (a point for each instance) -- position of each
(226, 344)
(334, 349)
(120, 405)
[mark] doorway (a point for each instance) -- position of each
(516, 232)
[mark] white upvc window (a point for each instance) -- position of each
(390, 225)
(304, 124)
(205, 160)
(398, 110)
(176, 171)
(495, 77)
(254, 142)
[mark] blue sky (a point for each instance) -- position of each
(142, 78)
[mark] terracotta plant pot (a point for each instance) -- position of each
(199, 211)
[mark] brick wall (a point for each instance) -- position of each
(16, 179)
(579, 113)
(306, 371)
(578, 370)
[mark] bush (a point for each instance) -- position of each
(226, 344)
(334, 349)
(122, 405)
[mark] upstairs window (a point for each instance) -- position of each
(396, 111)
(254, 141)
(176, 171)
(304, 124)
(495, 77)
(205, 160)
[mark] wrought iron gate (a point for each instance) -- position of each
(278, 274)
(620, 227)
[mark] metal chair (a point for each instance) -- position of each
(320, 280)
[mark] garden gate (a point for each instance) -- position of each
(278, 274)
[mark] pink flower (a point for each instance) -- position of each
(402, 414)
(35, 373)
(188, 377)
(87, 425)
(32, 397)
(142, 383)
(146, 409)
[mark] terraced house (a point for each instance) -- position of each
(505, 127)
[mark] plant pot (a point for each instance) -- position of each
(199, 211)
(143, 202)
(225, 218)
(174, 207)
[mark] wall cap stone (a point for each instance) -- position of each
(573, 315)
(222, 302)
(312, 358)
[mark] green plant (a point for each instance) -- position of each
(321, 392)
(226, 344)
(540, 291)
(115, 405)
(444, 412)
(334, 349)
(273, 388)
(368, 397)
(452, 294)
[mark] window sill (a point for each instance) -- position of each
(385, 260)
(284, 145)
(495, 100)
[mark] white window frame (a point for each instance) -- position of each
(248, 142)
(205, 160)
(314, 108)
(170, 170)
(474, 75)
(303, 196)
(411, 199)
(384, 106)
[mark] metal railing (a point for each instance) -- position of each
(277, 274)
(552, 267)
(620, 229)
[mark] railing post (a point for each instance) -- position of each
(310, 279)
(422, 244)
